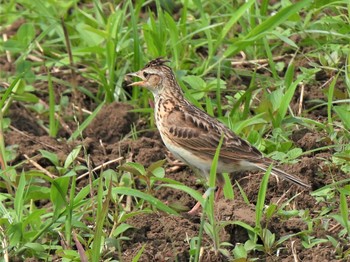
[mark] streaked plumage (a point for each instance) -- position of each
(192, 135)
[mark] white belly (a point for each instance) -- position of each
(186, 156)
(202, 164)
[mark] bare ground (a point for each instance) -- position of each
(167, 237)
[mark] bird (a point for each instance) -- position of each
(193, 136)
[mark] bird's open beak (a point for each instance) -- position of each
(138, 75)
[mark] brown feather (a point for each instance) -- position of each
(192, 135)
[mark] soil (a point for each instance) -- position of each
(167, 237)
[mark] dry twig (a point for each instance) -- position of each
(38, 166)
(100, 167)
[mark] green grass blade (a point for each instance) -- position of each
(85, 124)
(261, 198)
(58, 194)
(19, 198)
(277, 19)
(53, 123)
(193, 193)
(260, 30)
(233, 20)
(330, 102)
(139, 253)
(6, 99)
(174, 38)
(344, 211)
(70, 209)
(228, 187)
(150, 199)
(213, 168)
(244, 195)
(285, 101)
(102, 209)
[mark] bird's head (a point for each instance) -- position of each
(156, 76)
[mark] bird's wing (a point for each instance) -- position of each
(200, 133)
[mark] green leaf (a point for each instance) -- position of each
(195, 82)
(92, 36)
(275, 20)
(134, 168)
(159, 172)
(270, 210)
(261, 198)
(234, 17)
(239, 251)
(244, 195)
(261, 30)
(286, 99)
(269, 238)
(138, 255)
(26, 33)
(26, 97)
(343, 113)
(228, 188)
(103, 202)
(344, 211)
(15, 232)
(121, 229)
(174, 36)
(72, 156)
(286, 40)
(35, 247)
(148, 198)
(294, 153)
(156, 165)
(25, 67)
(7, 97)
(257, 119)
(58, 194)
(53, 123)
(53, 158)
(330, 101)
(19, 197)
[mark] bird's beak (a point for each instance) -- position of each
(138, 75)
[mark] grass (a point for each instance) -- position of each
(248, 63)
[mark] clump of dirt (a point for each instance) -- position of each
(27, 137)
(109, 137)
(22, 119)
(166, 237)
(112, 123)
(106, 137)
(307, 139)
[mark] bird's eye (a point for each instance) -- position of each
(145, 74)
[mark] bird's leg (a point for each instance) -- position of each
(220, 182)
(218, 193)
(196, 207)
(151, 103)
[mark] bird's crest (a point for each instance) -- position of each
(157, 62)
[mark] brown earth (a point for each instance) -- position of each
(167, 237)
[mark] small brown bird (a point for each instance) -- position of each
(193, 136)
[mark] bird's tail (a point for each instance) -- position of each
(282, 174)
